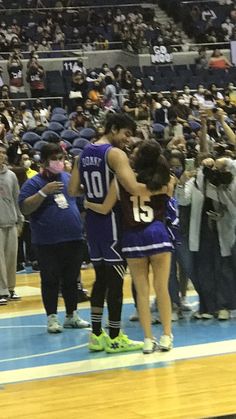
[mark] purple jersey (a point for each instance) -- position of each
(103, 231)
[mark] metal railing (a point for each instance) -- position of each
(33, 99)
(77, 8)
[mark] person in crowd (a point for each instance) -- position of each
(35, 77)
(57, 236)
(212, 235)
(26, 117)
(219, 61)
(97, 164)
(11, 221)
(110, 95)
(15, 71)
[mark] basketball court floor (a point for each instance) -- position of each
(55, 376)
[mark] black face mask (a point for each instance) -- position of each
(216, 177)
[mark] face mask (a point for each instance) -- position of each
(195, 102)
(55, 166)
(231, 87)
(166, 103)
(187, 91)
(139, 84)
(27, 164)
(36, 158)
(181, 101)
(201, 90)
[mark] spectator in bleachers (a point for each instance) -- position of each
(35, 77)
(199, 95)
(79, 84)
(182, 111)
(79, 67)
(201, 61)
(219, 61)
(110, 94)
(15, 71)
(26, 117)
(187, 95)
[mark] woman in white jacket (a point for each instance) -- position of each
(212, 195)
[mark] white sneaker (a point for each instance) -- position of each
(166, 342)
(75, 322)
(185, 306)
(223, 314)
(174, 316)
(196, 315)
(3, 301)
(207, 316)
(134, 317)
(54, 326)
(150, 346)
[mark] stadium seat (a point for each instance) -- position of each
(59, 117)
(59, 110)
(87, 133)
(194, 125)
(30, 137)
(66, 144)
(50, 136)
(69, 135)
(75, 151)
(39, 145)
(158, 128)
(80, 142)
(55, 126)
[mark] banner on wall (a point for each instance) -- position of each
(161, 55)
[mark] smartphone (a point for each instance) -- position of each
(189, 165)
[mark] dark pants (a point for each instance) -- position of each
(60, 265)
(213, 276)
(26, 252)
(38, 92)
(183, 257)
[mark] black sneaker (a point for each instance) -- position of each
(13, 296)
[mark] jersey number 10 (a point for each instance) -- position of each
(94, 184)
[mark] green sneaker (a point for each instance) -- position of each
(122, 344)
(97, 343)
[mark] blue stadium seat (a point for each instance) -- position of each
(39, 145)
(69, 135)
(80, 142)
(59, 117)
(30, 137)
(67, 144)
(50, 136)
(194, 125)
(55, 126)
(158, 128)
(75, 151)
(87, 133)
(59, 110)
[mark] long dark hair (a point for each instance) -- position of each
(151, 166)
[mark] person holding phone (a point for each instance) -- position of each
(57, 236)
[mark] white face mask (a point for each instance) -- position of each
(181, 101)
(195, 102)
(166, 103)
(27, 163)
(201, 90)
(187, 91)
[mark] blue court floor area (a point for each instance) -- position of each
(26, 345)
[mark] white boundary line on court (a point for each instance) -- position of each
(109, 362)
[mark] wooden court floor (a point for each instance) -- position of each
(190, 389)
